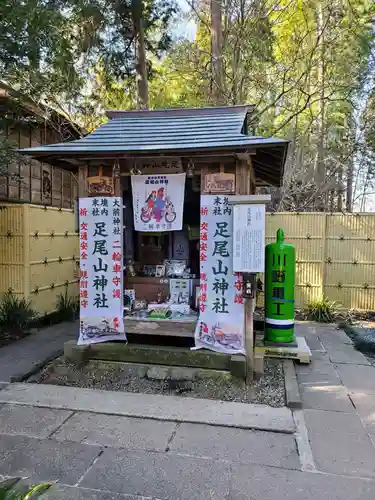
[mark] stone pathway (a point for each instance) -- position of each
(25, 355)
(99, 455)
(338, 395)
(103, 445)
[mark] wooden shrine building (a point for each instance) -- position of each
(217, 150)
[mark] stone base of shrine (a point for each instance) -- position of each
(155, 355)
(170, 328)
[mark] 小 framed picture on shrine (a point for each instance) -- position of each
(219, 183)
(100, 186)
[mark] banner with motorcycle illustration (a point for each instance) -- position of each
(220, 326)
(158, 202)
(101, 266)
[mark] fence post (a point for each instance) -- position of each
(323, 272)
(26, 250)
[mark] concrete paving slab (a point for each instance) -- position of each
(305, 329)
(166, 476)
(319, 372)
(44, 460)
(57, 492)
(365, 406)
(314, 343)
(356, 378)
(251, 482)
(116, 432)
(236, 445)
(31, 421)
(346, 354)
(364, 403)
(333, 336)
(23, 356)
(320, 356)
(153, 406)
(340, 444)
(326, 397)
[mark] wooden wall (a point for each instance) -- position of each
(37, 182)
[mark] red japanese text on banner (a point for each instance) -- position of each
(220, 326)
(101, 257)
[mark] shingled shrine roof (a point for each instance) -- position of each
(174, 132)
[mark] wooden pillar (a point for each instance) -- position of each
(117, 186)
(116, 174)
(82, 181)
(204, 172)
(245, 184)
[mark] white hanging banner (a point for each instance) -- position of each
(220, 326)
(158, 202)
(101, 264)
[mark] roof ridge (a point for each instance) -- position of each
(209, 110)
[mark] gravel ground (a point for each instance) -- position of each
(268, 390)
(364, 341)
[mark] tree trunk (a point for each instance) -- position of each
(340, 190)
(141, 63)
(349, 186)
(216, 48)
(320, 169)
(350, 164)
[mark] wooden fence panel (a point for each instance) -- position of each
(335, 255)
(306, 233)
(350, 260)
(54, 255)
(12, 249)
(39, 251)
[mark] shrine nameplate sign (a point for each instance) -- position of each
(219, 182)
(162, 165)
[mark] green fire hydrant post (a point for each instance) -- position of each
(280, 265)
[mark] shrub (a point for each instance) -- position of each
(322, 310)
(67, 307)
(16, 313)
(32, 492)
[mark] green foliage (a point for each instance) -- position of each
(369, 122)
(16, 314)
(306, 66)
(38, 45)
(67, 307)
(68, 53)
(9, 155)
(33, 492)
(322, 310)
(303, 64)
